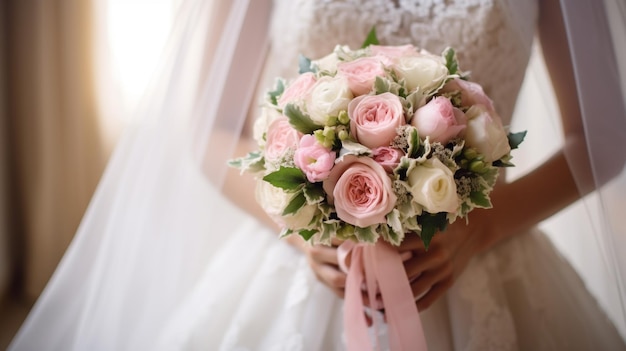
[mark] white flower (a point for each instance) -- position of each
(328, 96)
(268, 115)
(432, 186)
(425, 72)
(485, 133)
(327, 63)
(274, 201)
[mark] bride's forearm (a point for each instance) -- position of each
(522, 204)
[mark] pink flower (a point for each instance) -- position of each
(297, 90)
(281, 136)
(361, 73)
(393, 51)
(361, 191)
(375, 118)
(314, 159)
(387, 157)
(486, 134)
(471, 93)
(439, 120)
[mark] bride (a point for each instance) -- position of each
(173, 253)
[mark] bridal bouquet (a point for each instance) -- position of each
(368, 146)
(376, 143)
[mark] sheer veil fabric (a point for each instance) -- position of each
(158, 217)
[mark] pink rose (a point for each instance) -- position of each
(281, 136)
(314, 159)
(439, 120)
(393, 51)
(375, 118)
(361, 73)
(297, 90)
(471, 93)
(387, 157)
(361, 191)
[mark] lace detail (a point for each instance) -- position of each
(491, 38)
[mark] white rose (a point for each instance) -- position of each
(274, 201)
(327, 63)
(328, 96)
(425, 72)
(268, 115)
(485, 133)
(432, 186)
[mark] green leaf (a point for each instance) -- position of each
(300, 121)
(273, 95)
(307, 234)
(287, 178)
(285, 232)
(304, 64)
(296, 203)
(480, 199)
(414, 143)
(371, 39)
(367, 234)
(252, 162)
(314, 193)
(431, 223)
(515, 139)
(451, 61)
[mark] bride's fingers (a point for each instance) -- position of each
(325, 254)
(430, 278)
(423, 262)
(330, 276)
(435, 292)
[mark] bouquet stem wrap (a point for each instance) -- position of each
(379, 267)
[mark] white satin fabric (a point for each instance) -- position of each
(163, 261)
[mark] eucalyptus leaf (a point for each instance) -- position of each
(287, 178)
(300, 121)
(451, 61)
(516, 138)
(414, 142)
(304, 64)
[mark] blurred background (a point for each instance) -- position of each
(71, 72)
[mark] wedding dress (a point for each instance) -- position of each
(238, 287)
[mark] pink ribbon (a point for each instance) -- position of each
(379, 267)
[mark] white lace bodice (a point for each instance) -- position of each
(492, 37)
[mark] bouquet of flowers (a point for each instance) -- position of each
(376, 143)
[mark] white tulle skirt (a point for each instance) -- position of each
(258, 293)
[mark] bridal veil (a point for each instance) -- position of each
(158, 215)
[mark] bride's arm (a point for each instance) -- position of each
(520, 205)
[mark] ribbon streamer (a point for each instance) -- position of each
(379, 267)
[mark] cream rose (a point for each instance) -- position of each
(432, 186)
(375, 118)
(485, 133)
(327, 63)
(425, 72)
(261, 124)
(328, 96)
(361, 191)
(274, 200)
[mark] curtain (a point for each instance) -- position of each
(53, 139)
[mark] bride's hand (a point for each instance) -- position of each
(324, 263)
(432, 272)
